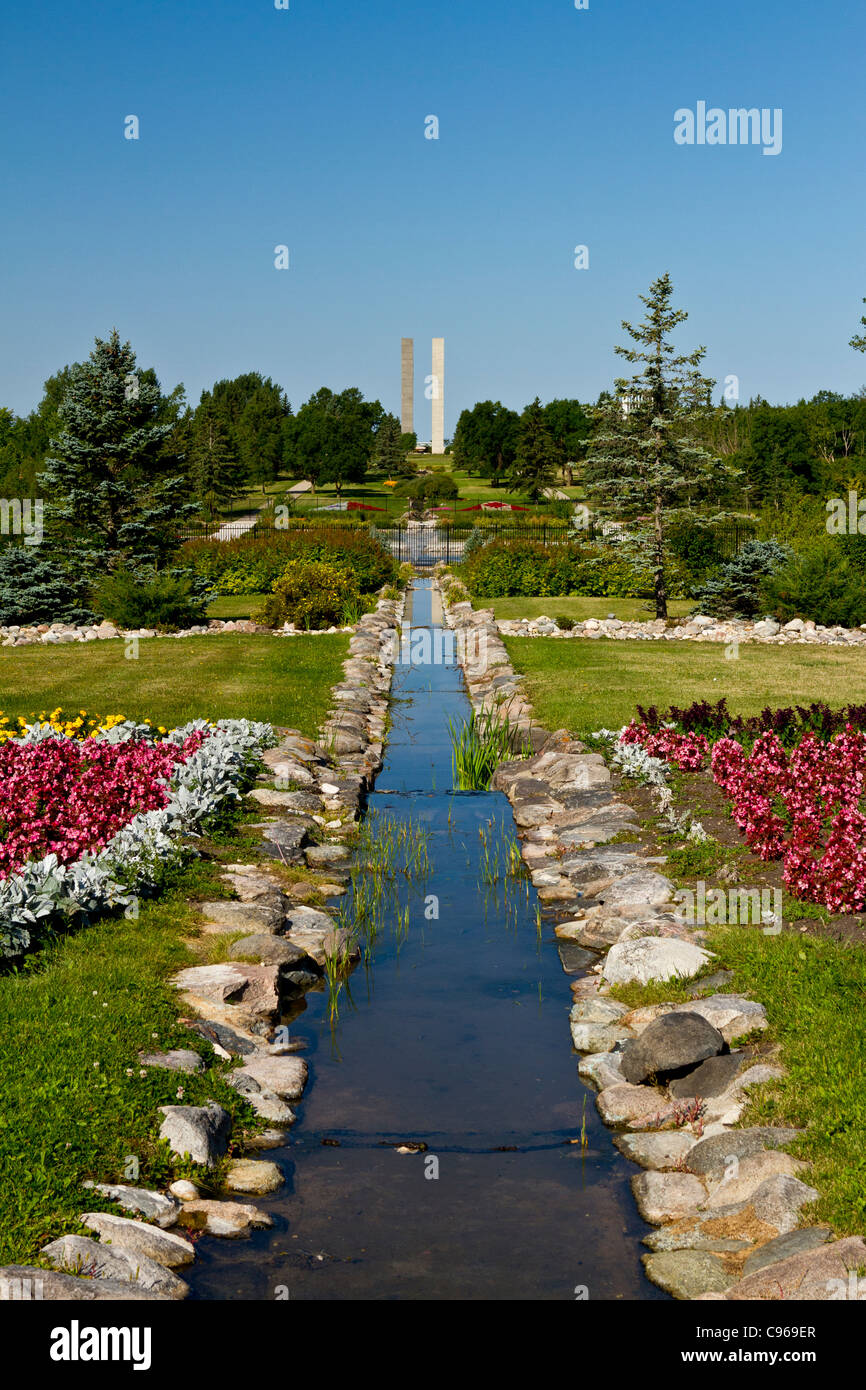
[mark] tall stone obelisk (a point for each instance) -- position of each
(437, 391)
(407, 385)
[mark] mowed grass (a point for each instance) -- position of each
(73, 1101)
(583, 684)
(279, 680)
(231, 606)
(626, 609)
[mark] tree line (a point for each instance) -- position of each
(241, 436)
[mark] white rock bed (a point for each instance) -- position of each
(698, 629)
(50, 634)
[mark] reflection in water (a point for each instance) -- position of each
(445, 1148)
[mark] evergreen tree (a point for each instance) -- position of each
(389, 455)
(214, 464)
(115, 489)
(644, 458)
(260, 434)
(535, 461)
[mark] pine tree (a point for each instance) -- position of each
(535, 462)
(214, 461)
(115, 491)
(261, 434)
(644, 460)
(389, 456)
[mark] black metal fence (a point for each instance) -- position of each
(427, 545)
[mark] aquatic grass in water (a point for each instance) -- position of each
(479, 744)
(389, 852)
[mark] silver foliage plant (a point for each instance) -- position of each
(135, 857)
(634, 761)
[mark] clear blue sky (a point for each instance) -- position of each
(306, 127)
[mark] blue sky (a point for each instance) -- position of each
(305, 127)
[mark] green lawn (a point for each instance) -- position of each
(281, 680)
(584, 685)
(229, 606)
(73, 1104)
(373, 491)
(626, 609)
(813, 990)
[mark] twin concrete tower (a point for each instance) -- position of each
(435, 391)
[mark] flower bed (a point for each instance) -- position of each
(90, 824)
(803, 805)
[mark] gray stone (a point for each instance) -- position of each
(575, 958)
(669, 1045)
(732, 1014)
(595, 1025)
(711, 1078)
(687, 1273)
(653, 958)
(602, 1068)
(710, 1157)
(253, 986)
(242, 916)
(254, 1175)
(661, 1152)
(83, 1256)
(624, 1104)
(778, 1201)
(154, 1206)
(200, 1131)
(637, 892)
(747, 1176)
(303, 801)
(822, 1275)
(679, 1237)
(137, 1238)
(663, 1197)
(230, 1040)
(284, 1076)
(269, 950)
(793, 1243)
(227, 1219)
(179, 1059)
(26, 1284)
(285, 839)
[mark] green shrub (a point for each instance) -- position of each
(526, 569)
(696, 546)
(253, 565)
(823, 583)
(563, 623)
(34, 589)
(156, 600)
(737, 590)
(431, 487)
(312, 594)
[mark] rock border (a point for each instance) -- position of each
(317, 794)
(700, 628)
(725, 1201)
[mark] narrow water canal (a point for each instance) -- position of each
(456, 1037)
